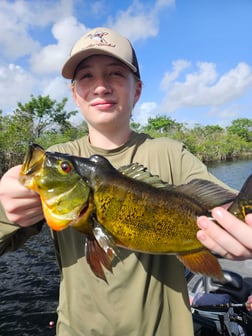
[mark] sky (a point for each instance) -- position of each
(195, 56)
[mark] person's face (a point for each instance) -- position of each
(106, 91)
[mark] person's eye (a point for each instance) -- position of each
(84, 76)
(116, 73)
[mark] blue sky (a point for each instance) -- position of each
(195, 56)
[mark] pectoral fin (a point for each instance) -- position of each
(202, 262)
(96, 257)
(100, 250)
(105, 240)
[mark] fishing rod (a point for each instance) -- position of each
(246, 305)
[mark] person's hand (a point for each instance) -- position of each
(248, 304)
(231, 239)
(22, 206)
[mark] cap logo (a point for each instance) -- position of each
(99, 40)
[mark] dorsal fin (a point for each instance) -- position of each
(140, 173)
(207, 193)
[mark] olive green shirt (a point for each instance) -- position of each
(147, 294)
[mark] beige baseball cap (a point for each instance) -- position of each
(101, 41)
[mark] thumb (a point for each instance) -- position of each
(248, 219)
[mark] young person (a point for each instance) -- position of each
(147, 294)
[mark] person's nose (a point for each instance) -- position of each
(102, 86)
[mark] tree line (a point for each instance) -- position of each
(208, 143)
(45, 121)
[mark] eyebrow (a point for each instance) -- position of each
(84, 65)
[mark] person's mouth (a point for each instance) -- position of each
(103, 104)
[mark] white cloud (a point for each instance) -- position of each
(51, 58)
(27, 26)
(229, 112)
(205, 87)
(56, 88)
(131, 23)
(163, 3)
(144, 111)
(16, 86)
(233, 84)
(178, 67)
(97, 7)
(14, 38)
(139, 21)
(19, 18)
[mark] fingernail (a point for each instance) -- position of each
(217, 212)
(202, 223)
(201, 235)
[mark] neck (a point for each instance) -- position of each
(109, 141)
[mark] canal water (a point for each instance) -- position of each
(29, 281)
(29, 277)
(233, 173)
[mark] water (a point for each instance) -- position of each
(29, 277)
(233, 173)
(29, 281)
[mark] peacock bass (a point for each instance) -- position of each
(127, 207)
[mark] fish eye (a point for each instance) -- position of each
(65, 167)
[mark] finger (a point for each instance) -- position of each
(248, 219)
(13, 172)
(28, 217)
(235, 227)
(210, 243)
(30, 220)
(26, 220)
(211, 235)
(17, 190)
(215, 238)
(10, 187)
(248, 306)
(23, 204)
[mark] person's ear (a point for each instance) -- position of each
(138, 91)
(74, 94)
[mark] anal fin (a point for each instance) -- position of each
(203, 262)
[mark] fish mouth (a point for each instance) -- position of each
(33, 160)
(32, 164)
(83, 210)
(82, 223)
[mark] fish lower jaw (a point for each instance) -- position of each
(81, 223)
(84, 210)
(80, 216)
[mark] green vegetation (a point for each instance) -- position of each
(46, 122)
(208, 143)
(41, 120)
